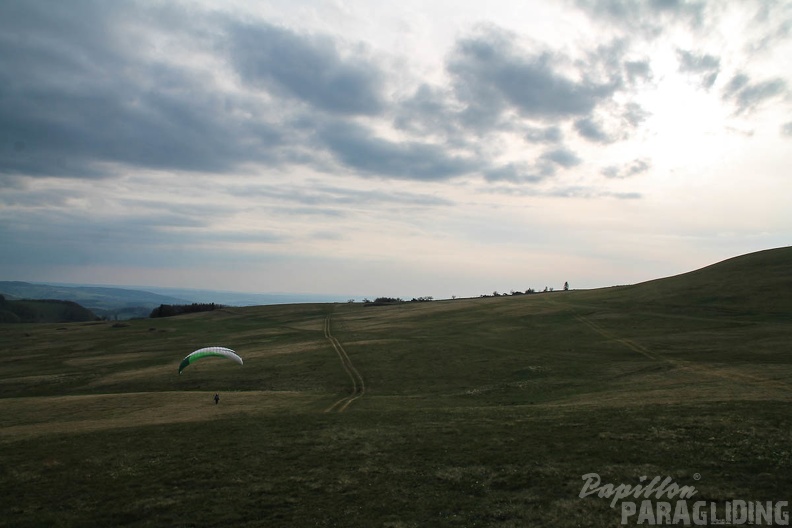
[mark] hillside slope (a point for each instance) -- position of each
(43, 311)
(756, 284)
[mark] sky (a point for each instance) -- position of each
(414, 148)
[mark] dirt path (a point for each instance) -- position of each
(358, 384)
(699, 368)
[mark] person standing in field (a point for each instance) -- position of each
(217, 398)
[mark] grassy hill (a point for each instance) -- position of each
(473, 412)
(758, 284)
(42, 311)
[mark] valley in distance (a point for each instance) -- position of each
(665, 403)
(122, 303)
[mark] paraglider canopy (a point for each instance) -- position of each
(209, 351)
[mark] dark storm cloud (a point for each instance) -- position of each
(747, 95)
(310, 69)
(491, 74)
(706, 66)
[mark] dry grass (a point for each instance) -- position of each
(26, 417)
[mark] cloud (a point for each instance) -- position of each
(80, 93)
(161, 87)
(551, 134)
(544, 167)
(519, 173)
(638, 70)
(570, 191)
(430, 110)
(591, 193)
(647, 17)
(360, 149)
(773, 25)
(491, 74)
(786, 129)
(706, 66)
(690, 62)
(309, 68)
(592, 130)
(335, 198)
(634, 114)
(748, 96)
(637, 166)
(561, 156)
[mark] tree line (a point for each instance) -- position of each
(383, 301)
(169, 310)
(529, 291)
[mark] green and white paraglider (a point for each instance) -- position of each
(207, 352)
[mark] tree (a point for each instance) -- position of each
(566, 286)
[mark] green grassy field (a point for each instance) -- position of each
(472, 412)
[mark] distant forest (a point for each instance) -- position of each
(169, 310)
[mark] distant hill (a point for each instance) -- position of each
(127, 303)
(43, 311)
(114, 303)
(757, 283)
(229, 298)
